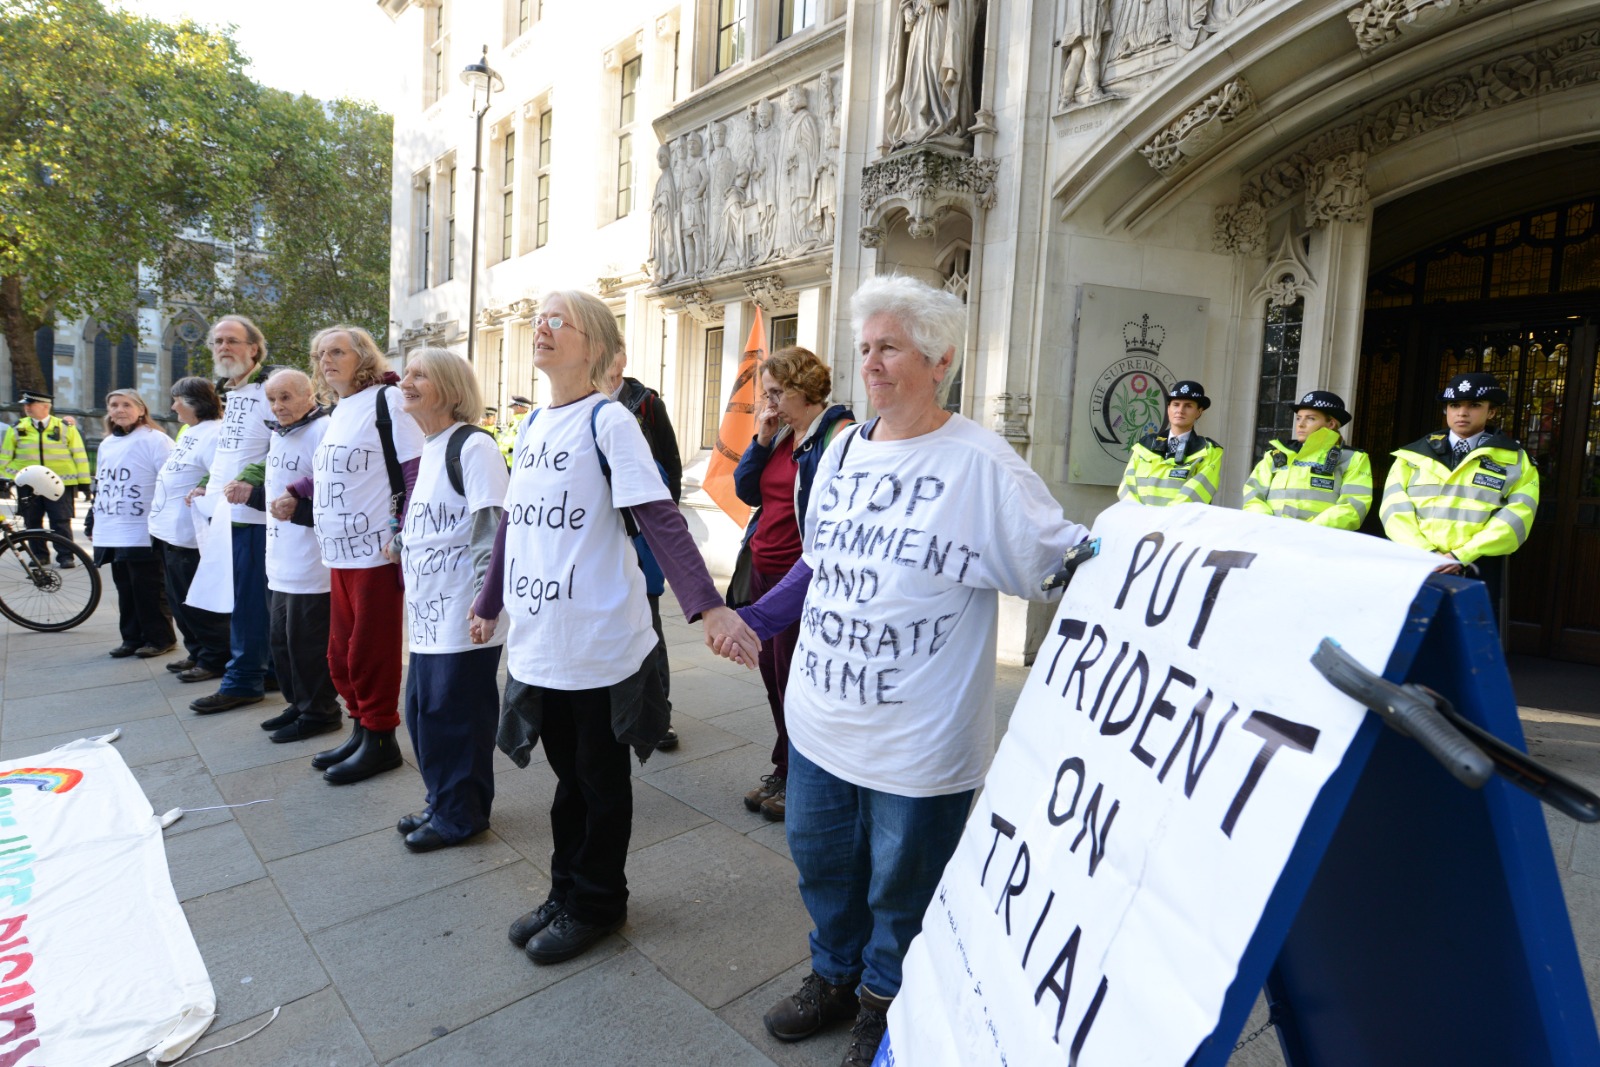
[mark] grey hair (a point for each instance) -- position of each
(935, 320)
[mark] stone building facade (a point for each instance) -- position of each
(1267, 195)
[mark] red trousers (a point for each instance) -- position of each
(366, 614)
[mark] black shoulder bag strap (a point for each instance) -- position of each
(452, 455)
(391, 460)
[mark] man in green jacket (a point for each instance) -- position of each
(44, 439)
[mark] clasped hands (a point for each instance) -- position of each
(726, 634)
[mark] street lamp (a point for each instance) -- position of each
(485, 83)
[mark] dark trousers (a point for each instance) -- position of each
(300, 653)
(452, 712)
(591, 817)
(777, 652)
(248, 643)
(142, 614)
(205, 633)
(33, 509)
(663, 667)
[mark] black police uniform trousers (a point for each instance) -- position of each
(33, 509)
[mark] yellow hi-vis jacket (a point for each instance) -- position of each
(58, 446)
(1157, 479)
(1322, 482)
(505, 435)
(1483, 507)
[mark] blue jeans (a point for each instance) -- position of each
(249, 632)
(869, 863)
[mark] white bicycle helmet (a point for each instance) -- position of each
(42, 480)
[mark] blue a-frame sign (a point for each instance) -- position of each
(1419, 922)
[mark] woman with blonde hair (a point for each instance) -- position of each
(361, 473)
(128, 465)
(581, 647)
(452, 687)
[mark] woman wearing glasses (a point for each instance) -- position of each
(794, 414)
(580, 642)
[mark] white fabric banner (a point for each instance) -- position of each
(97, 963)
(1159, 765)
(212, 588)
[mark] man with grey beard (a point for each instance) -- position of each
(239, 353)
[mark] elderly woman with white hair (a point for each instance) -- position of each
(917, 521)
(453, 685)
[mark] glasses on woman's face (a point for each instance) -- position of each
(774, 396)
(555, 322)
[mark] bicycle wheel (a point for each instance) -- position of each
(41, 596)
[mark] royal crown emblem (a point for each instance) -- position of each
(1141, 338)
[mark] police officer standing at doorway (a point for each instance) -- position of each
(1318, 478)
(1178, 466)
(1467, 492)
(45, 439)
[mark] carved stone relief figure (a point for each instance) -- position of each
(665, 241)
(761, 223)
(802, 149)
(825, 195)
(721, 164)
(930, 72)
(1080, 52)
(695, 181)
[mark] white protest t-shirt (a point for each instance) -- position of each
(574, 593)
(892, 682)
(243, 441)
(436, 549)
(124, 485)
(351, 504)
(171, 517)
(294, 558)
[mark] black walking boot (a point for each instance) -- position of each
(323, 760)
(378, 752)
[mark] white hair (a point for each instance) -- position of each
(935, 320)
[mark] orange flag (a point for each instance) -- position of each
(738, 426)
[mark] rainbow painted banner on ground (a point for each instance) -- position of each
(97, 963)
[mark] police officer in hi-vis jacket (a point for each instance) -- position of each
(44, 439)
(1178, 466)
(1467, 492)
(1316, 478)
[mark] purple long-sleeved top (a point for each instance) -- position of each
(667, 534)
(781, 607)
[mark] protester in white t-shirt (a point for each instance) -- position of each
(173, 531)
(357, 487)
(452, 684)
(916, 523)
(128, 464)
(580, 648)
(297, 582)
(239, 353)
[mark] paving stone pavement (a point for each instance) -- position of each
(377, 956)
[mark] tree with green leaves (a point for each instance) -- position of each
(118, 133)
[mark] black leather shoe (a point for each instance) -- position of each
(198, 674)
(668, 742)
(533, 922)
(152, 651)
(425, 839)
(183, 664)
(815, 1005)
(414, 821)
(566, 937)
(339, 753)
(302, 728)
(280, 720)
(378, 752)
(123, 651)
(222, 702)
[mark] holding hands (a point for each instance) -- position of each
(729, 637)
(283, 508)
